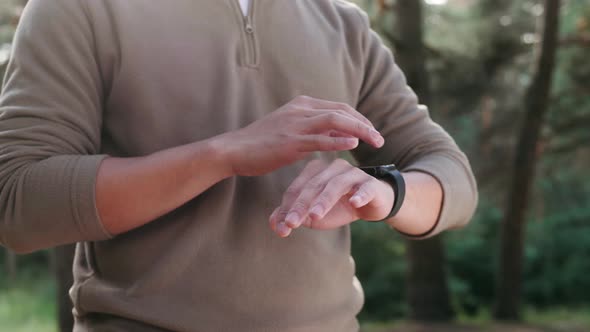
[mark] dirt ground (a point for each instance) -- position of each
(408, 327)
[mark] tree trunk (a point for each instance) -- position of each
(63, 259)
(427, 289)
(509, 279)
(10, 264)
(426, 280)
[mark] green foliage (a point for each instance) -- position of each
(9, 12)
(27, 304)
(481, 57)
(471, 258)
(379, 256)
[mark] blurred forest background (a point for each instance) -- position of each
(510, 80)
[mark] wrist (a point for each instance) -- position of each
(388, 195)
(420, 214)
(405, 211)
(219, 154)
(392, 191)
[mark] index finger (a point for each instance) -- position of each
(313, 168)
(316, 103)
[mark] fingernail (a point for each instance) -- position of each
(317, 211)
(283, 230)
(375, 134)
(351, 141)
(377, 137)
(356, 200)
(292, 219)
(273, 215)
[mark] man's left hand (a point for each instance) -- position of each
(328, 196)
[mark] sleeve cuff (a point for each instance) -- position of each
(83, 198)
(459, 193)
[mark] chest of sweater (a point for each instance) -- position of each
(184, 71)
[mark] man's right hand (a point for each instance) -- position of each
(300, 127)
(131, 192)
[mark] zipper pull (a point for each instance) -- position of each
(249, 28)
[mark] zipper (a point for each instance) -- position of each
(250, 49)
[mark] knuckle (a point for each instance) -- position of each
(325, 199)
(362, 128)
(334, 187)
(343, 112)
(340, 162)
(343, 106)
(291, 192)
(295, 111)
(340, 181)
(290, 108)
(349, 108)
(302, 99)
(360, 173)
(315, 184)
(298, 206)
(316, 163)
(332, 118)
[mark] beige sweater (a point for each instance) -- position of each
(90, 78)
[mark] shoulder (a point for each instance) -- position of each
(51, 29)
(351, 13)
(351, 22)
(343, 11)
(349, 9)
(345, 17)
(43, 14)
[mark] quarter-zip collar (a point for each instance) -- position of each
(245, 4)
(249, 49)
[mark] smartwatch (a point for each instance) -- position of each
(391, 175)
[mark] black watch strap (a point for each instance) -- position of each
(391, 175)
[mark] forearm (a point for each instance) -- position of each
(131, 192)
(421, 207)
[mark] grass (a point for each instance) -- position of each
(561, 319)
(556, 314)
(27, 304)
(553, 320)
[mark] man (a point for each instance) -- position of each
(161, 136)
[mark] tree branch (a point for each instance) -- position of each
(582, 40)
(573, 123)
(570, 146)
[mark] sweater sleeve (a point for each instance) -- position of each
(50, 124)
(412, 140)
